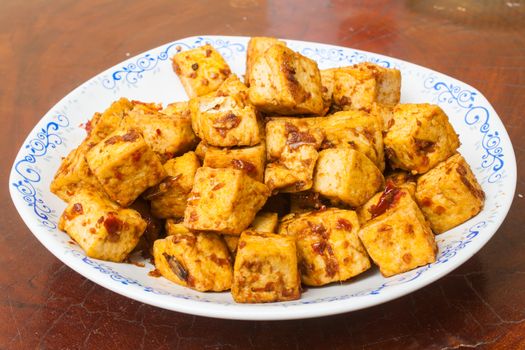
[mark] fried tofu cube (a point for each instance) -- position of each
(346, 176)
(399, 240)
(178, 109)
(125, 165)
(384, 113)
(257, 46)
(327, 87)
(390, 199)
(168, 198)
(265, 269)
(356, 129)
(103, 229)
(449, 194)
(361, 85)
(251, 160)
(328, 247)
(403, 179)
(200, 261)
(175, 227)
(74, 174)
(420, 137)
(201, 70)
(226, 118)
(292, 145)
(294, 172)
(223, 200)
(285, 82)
(265, 222)
(166, 135)
(103, 124)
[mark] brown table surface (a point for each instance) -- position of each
(47, 48)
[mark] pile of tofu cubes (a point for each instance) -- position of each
(296, 176)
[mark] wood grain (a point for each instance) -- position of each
(47, 48)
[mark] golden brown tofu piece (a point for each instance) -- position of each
(74, 174)
(449, 194)
(125, 165)
(178, 109)
(327, 87)
(201, 149)
(103, 124)
(175, 227)
(285, 82)
(265, 269)
(356, 129)
(103, 229)
(384, 113)
(399, 240)
(347, 176)
(226, 118)
(251, 160)
(420, 137)
(403, 179)
(265, 222)
(292, 145)
(201, 70)
(390, 199)
(200, 261)
(168, 198)
(327, 245)
(361, 85)
(223, 200)
(257, 46)
(166, 135)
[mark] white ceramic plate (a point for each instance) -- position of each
(149, 77)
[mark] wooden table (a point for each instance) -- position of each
(47, 48)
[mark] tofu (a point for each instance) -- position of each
(361, 85)
(285, 82)
(390, 199)
(104, 230)
(74, 174)
(327, 87)
(257, 46)
(356, 129)
(294, 172)
(167, 135)
(420, 137)
(449, 194)
(265, 269)
(125, 165)
(384, 113)
(292, 145)
(200, 261)
(224, 201)
(168, 198)
(201, 70)
(251, 160)
(404, 180)
(344, 175)
(399, 240)
(105, 123)
(201, 149)
(226, 118)
(178, 109)
(328, 247)
(175, 227)
(265, 222)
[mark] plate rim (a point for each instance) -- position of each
(270, 311)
